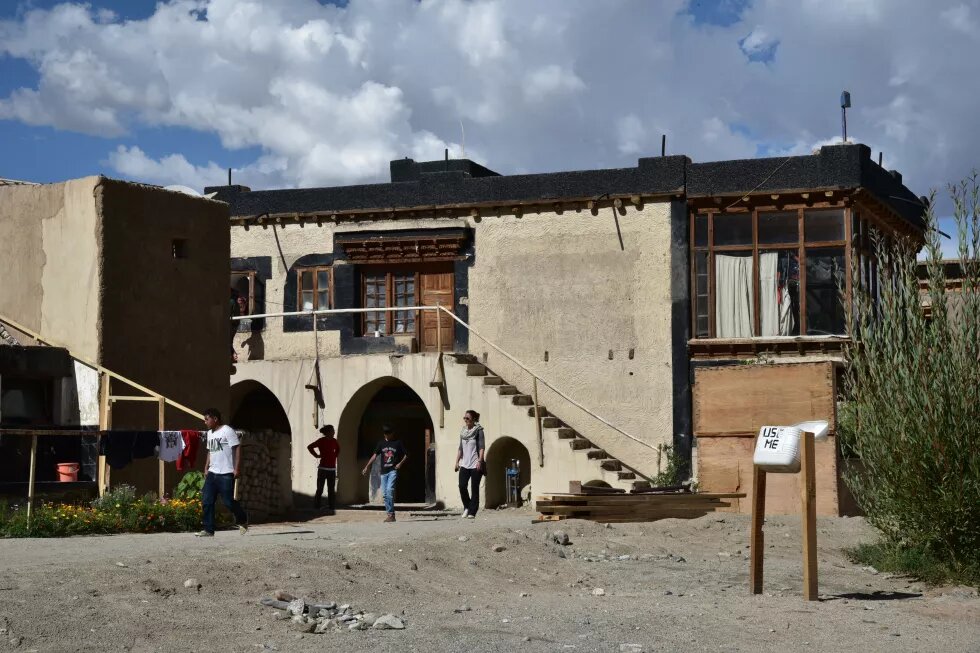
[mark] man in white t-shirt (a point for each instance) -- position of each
(221, 468)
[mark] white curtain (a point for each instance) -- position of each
(733, 296)
(775, 305)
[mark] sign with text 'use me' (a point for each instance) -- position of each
(777, 449)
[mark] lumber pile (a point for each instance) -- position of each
(609, 505)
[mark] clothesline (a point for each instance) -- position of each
(120, 448)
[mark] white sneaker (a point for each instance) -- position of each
(466, 514)
(469, 516)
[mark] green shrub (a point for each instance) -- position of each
(121, 496)
(669, 467)
(122, 513)
(912, 409)
(190, 487)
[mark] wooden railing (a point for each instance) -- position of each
(106, 401)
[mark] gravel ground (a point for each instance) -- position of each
(666, 586)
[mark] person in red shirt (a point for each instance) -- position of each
(326, 449)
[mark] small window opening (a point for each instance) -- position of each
(179, 248)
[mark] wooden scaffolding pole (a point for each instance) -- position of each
(162, 470)
(105, 424)
(537, 422)
(30, 480)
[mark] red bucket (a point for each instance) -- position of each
(68, 472)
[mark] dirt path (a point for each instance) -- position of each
(668, 586)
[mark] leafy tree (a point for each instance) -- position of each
(912, 414)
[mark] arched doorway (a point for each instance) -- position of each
(387, 400)
(266, 486)
(499, 456)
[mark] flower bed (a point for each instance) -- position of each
(119, 511)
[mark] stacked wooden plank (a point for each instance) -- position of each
(640, 506)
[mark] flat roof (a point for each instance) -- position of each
(430, 184)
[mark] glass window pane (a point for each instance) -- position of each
(322, 280)
(779, 293)
(776, 228)
(735, 229)
(824, 278)
(307, 300)
(306, 280)
(701, 230)
(322, 299)
(820, 226)
(733, 295)
(701, 294)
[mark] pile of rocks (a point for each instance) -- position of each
(322, 617)
(259, 488)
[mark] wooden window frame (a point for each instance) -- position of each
(389, 275)
(315, 270)
(250, 274)
(800, 246)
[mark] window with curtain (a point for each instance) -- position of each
(769, 273)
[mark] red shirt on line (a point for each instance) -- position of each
(329, 448)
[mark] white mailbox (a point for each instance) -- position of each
(777, 449)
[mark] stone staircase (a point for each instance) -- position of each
(604, 467)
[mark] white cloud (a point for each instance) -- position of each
(960, 18)
(329, 95)
(757, 42)
(551, 81)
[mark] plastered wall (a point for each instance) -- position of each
(569, 287)
(50, 244)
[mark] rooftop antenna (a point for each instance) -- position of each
(229, 176)
(463, 132)
(663, 145)
(845, 104)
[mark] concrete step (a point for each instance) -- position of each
(625, 476)
(611, 465)
(550, 422)
(541, 411)
(566, 433)
(522, 400)
(476, 369)
(465, 358)
(598, 454)
(493, 380)
(506, 390)
(579, 443)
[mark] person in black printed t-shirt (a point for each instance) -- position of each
(392, 455)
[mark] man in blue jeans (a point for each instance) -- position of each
(393, 456)
(222, 467)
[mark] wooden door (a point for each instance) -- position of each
(437, 288)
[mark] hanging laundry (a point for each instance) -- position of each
(121, 447)
(188, 457)
(171, 446)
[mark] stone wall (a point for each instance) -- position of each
(261, 488)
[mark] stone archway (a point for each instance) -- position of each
(386, 400)
(501, 452)
(266, 488)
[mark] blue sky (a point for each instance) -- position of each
(308, 92)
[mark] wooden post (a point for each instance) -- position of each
(808, 515)
(442, 404)
(161, 470)
(105, 424)
(537, 421)
(30, 480)
(757, 539)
